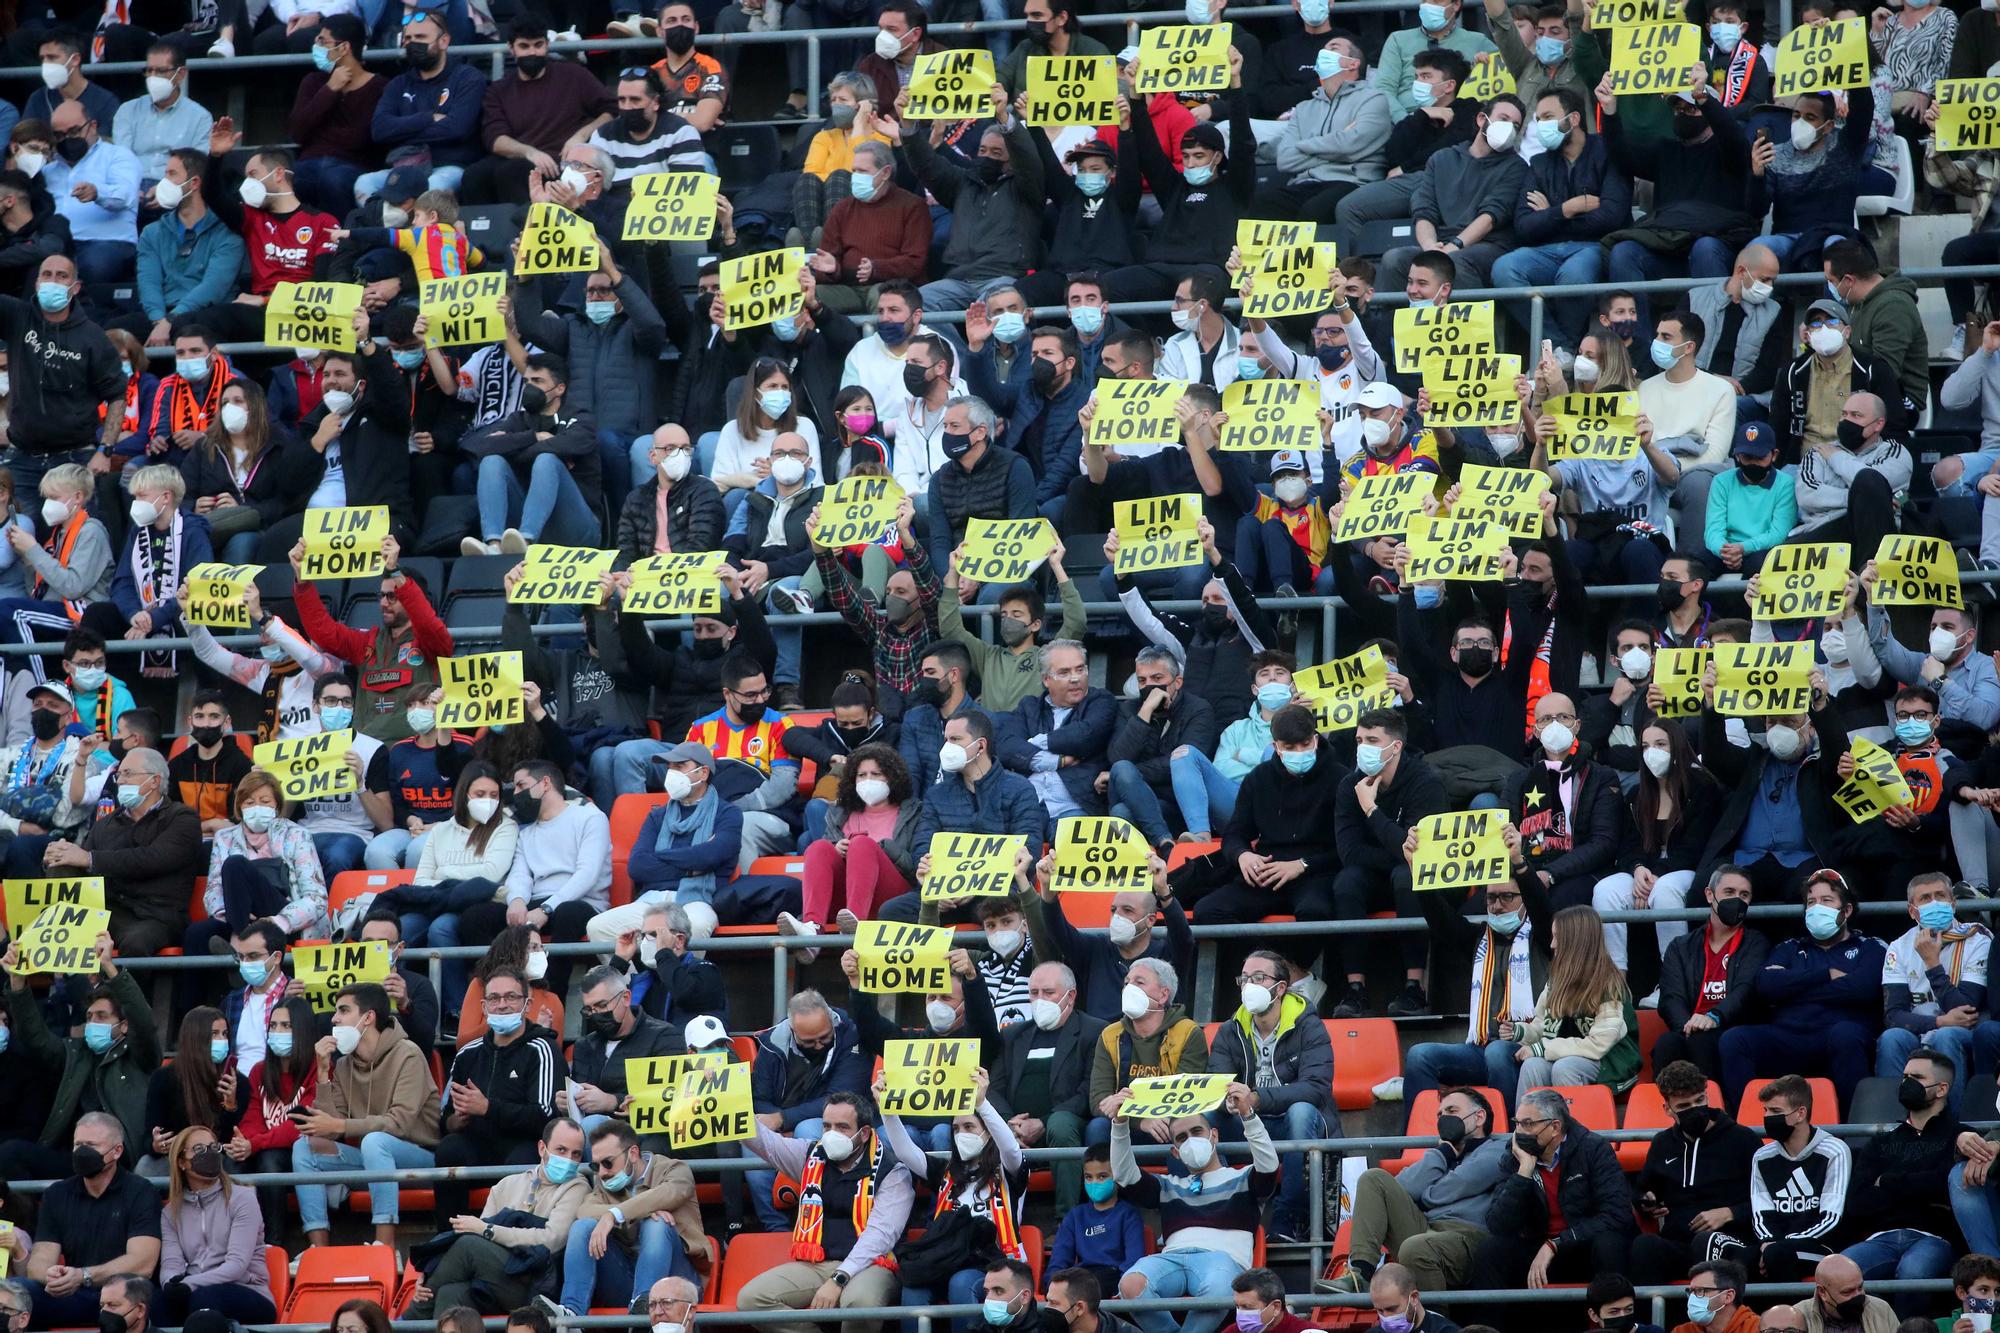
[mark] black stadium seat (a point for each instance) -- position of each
(478, 576)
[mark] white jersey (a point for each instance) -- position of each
(1963, 958)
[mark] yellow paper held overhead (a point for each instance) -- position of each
(1100, 854)
(215, 595)
(1653, 58)
(481, 690)
(1175, 1096)
(1340, 691)
(344, 543)
(1160, 533)
(898, 958)
(971, 865)
(1509, 496)
(672, 206)
(955, 84)
(1183, 58)
(1072, 90)
(1678, 673)
(1292, 280)
(757, 289)
(713, 1106)
(1462, 328)
(930, 1078)
(310, 768)
(1916, 571)
(461, 312)
(1135, 412)
(675, 585)
(1801, 579)
(1383, 504)
(62, 941)
(857, 510)
(555, 240)
(1594, 427)
(561, 576)
(1822, 58)
(1266, 415)
(1005, 550)
(1763, 679)
(1463, 850)
(26, 898)
(1461, 549)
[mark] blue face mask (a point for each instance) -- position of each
(191, 367)
(617, 1182)
(1664, 355)
(785, 329)
(51, 296)
(996, 1310)
(1550, 133)
(5, 1035)
(1101, 1191)
(892, 332)
(504, 1024)
(1086, 319)
(775, 402)
(1936, 916)
(1504, 923)
(253, 974)
(1725, 35)
(1551, 50)
(1326, 64)
(1701, 1308)
(1273, 696)
(409, 358)
(560, 1170)
(1913, 731)
(861, 186)
(218, 1049)
(1093, 183)
(1428, 598)
(279, 1043)
(1010, 327)
(1299, 761)
(1369, 759)
(1314, 12)
(1249, 368)
(336, 719)
(600, 312)
(1823, 921)
(1432, 17)
(97, 1036)
(1422, 94)
(1421, 303)
(1199, 175)
(322, 58)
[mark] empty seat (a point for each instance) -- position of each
(1365, 1053)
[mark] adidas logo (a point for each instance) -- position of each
(1798, 1195)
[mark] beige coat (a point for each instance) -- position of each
(392, 1094)
(665, 1185)
(1877, 1317)
(531, 1192)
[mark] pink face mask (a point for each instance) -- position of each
(860, 422)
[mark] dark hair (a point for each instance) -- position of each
(145, 721)
(193, 159)
(1438, 264)
(1726, 1272)
(81, 640)
(1681, 1078)
(851, 694)
(977, 721)
(517, 974)
(1920, 693)
(894, 771)
(1692, 329)
(1273, 657)
(1026, 594)
(1097, 1152)
(345, 28)
(263, 928)
(1791, 1087)
(67, 38)
(1294, 724)
(951, 655)
(529, 23)
(1609, 299)
(864, 1105)
(461, 1319)
(1267, 1285)
(1138, 346)
(539, 769)
(1205, 285)
(1081, 1283)
(938, 348)
(557, 367)
(510, 949)
(1015, 1269)
(527, 1316)
(1569, 98)
(330, 678)
(1653, 792)
(902, 287)
(473, 771)
(1390, 720)
(371, 1314)
(1445, 61)
(1364, 269)
(1606, 1288)
(740, 665)
(1850, 259)
(194, 1072)
(913, 14)
(384, 916)
(299, 1064)
(369, 997)
(1505, 99)
(1473, 1095)
(749, 405)
(1062, 333)
(1973, 1267)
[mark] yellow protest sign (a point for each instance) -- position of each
(324, 970)
(1876, 785)
(954, 84)
(1916, 571)
(215, 595)
(759, 288)
(713, 1106)
(6, 1242)
(1072, 90)
(1822, 58)
(1175, 1096)
(1594, 427)
(1801, 579)
(1382, 504)
(561, 576)
(310, 768)
(1509, 496)
(1100, 854)
(460, 312)
(1968, 114)
(1005, 550)
(972, 865)
(1256, 235)
(671, 206)
(1159, 533)
(25, 898)
(1490, 78)
(930, 1078)
(1463, 549)
(344, 543)
(1340, 691)
(62, 941)
(555, 240)
(653, 1081)
(899, 958)
(1678, 673)
(1472, 390)
(1135, 412)
(1763, 679)
(1607, 15)
(1653, 58)
(1183, 58)
(480, 690)
(1292, 280)
(856, 510)
(312, 314)
(1270, 414)
(1462, 850)
(1463, 328)
(675, 585)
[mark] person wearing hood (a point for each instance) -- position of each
(1706, 976)
(1153, 1038)
(500, 1093)
(376, 1109)
(473, 1270)
(1276, 1050)
(1566, 805)
(805, 1061)
(1389, 792)
(1430, 1216)
(1042, 1076)
(639, 1222)
(1695, 1185)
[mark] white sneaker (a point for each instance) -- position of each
(513, 543)
(1389, 1089)
(474, 546)
(1652, 1001)
(1955, 349)
(791, 925)
(634, 25)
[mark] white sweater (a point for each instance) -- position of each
(1695, 421)
(448, 853)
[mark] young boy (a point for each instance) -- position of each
(1976, 1277)
(1104, 1233)
(437, 247)
(1281, 546)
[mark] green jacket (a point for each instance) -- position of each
(1006, 678)
(1014, 69)
(1887, 324)
(119, 1076)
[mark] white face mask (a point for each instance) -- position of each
(1122, 929)
(482, 808)
(969, 1145)
(144, 513)
(1833, 645)
(55, 73)
(346, 1039)
(649, 951)
(1636, 663)
(1290, 491)
(1047, 1013)
(1500, 135)
(940, 1015)
(676, 465)
(575, 180)
(235, 416)
(253, 192)
(1196, 1153)
(168, 194)
(1183, 319)
(1134, 1003)
(1783, 742)
(1827, 340)
(887, 44)
(1006, 943)
(393, 216)
(159, 89)
(872, 791)
(1374, 433)
(6, 384)
(1657, 761)
(1584, 369)
(55, 513)
(1803, 135)
(787, 471)
(835, 1146)
(338, 401)
(1556, 739)
(1943, 643)
(676, 784)
(537, 965)
(1755, 292)
(1257, 997)
(952, 757)
(1503, 445)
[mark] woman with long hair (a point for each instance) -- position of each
(518, 948)
(238, 478)
(142, 388)
(199, 1088)
(1584, 1029)
(465, 861)
(287, 1080)
(768, 408)
(1674, 809)
(211, 1237)
(265, 866)
(868, 853)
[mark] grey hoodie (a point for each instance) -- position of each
(1977, 379)
(1338, 138)
(1461, 1193)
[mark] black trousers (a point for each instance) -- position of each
(1704, 1049)
(482, 924)
(1356, 893)
(1502, 1262)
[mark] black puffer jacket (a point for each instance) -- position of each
(694, 518)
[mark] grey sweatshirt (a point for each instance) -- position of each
(1338, 138)
(1461, 1193)
(563, 859)
(1457, 187)
(87, 576)
(1977, 379)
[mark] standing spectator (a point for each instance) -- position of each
(644, 136)
(61, 361)
(428, 115)
(398, 655)
(1380, 802)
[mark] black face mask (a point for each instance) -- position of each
(710, 650)
(991, 169)
(206, 1160)
(86, 1160)
(636, 121)
(1527, 1143)
(47, 725)
(72, 149)
(1668, 594)
(1912, 1094)
(1475, 662)
(205, 735)
(525, 805)
(916, 379)
(854, 736)
(1849, 434)
(1850, 1310)
(602, 1025)
(1451, 1128)
(928, 691)
(956, 444)
(108, 1322)
(1214, 619)
(1776, 1127)
(1688, 127)
(534, 400)
(1732, 912)
(531, 67)
(678, 40)
(1043, 373)
(1754, 473)
(116, 750)
(1692, 1121)
(417, 55)
(1621, 1323)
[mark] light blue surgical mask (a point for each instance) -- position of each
(1664, 355)
(1551, 50)
(1421, 303)
(1432, 17)
(1197, 11)
(191, 367)
(408, 358)
(322, 57)
(1298, 761)
(253, 973)
(561, 1170)
(279, 1043)
(785, 329)
(1428, 598)
(1086, 319)
(504, 1024)
(775, 402)
(1100, 1191)
(1422, 94)
(218, 1049)
(1913, 731)
(1093, 183)
(1936, 916)
(614, 1184)
(1249, 368)
(1823, 921)
(997, 1311)
(1701, 1308)
(1273, 696)
(1010, 327)
(600, 312)
(51, 296)
(1550, 133)
(1314, 12)
(97, 1036)
(1199, 175)
(1504, 923)
(130, 794)
(89, 679)
(1370, 759)
(1725, 35)
(271, 652)
(337, 718)
(1326, 64)
(862, 186)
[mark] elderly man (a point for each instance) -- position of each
(1058, 739)
(803, 1061)
(672, 1301)
(1155, 1037)
(1567, 807)
(1041, 1082)
(1841, 1301)
(978, 479)
(1782, 1319)
(614, 1031)
(1101, 962)
(149, 846)
(1565, 1212)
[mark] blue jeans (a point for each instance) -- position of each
(618, 769)
(1972, 1206)
(639, 461)
(787, 634)
(550, 506)
(1300, 1120)
(326, 183)
(1630, 261)
(1440, 1064)
(241, 549)
(620, 1278)
(106, 261)
(760, 1183)
(1206, 798)
(1176, 1273)
(370, 183)
(1903, 1254)
(1133, 798)
(378, 1152)
(1895, 1046)
(1557, 262)
(1166, 584)
(339, 852)
(395, 849)
(965, 1287)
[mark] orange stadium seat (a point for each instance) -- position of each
(628, 813)
(1825, 1103)
(1646, 1109)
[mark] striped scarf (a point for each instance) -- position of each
(809, 1231)
(1000, 1208)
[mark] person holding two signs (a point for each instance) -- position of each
(396, 655)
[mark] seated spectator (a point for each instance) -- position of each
(261, 867)
(365, 1063)
(1545, 1222)
(1464, 205)
(96, 184)
(1839, 1294)
(1849, 490)
(807, 1061)
(97, 1227)
(527, 117)
(1934, 984)
(1695, 1185)
(423, 793)
(188, 259)
(1886, 325)
(148, 844)
(1208, 1216)
(332, 115)
(693, 507)
(1154, 1037)
(198, 1088)
(865, 852)
(68, 571)
(1798, 1184)
(973, 794)
(614, 1030)
(768, 408)
(1390, 790)
(284, 1079)
(1271, 1046)
(670, 982)
(500, 1093)
(1566, 805)
(1059, 739)
(1167, 716)
(1041, 1078)
(1332, 141)
(166, 118)
(208, 771)
(539, 476)
(475, 1269)
(1584, 1029)
(1674, 805)
(638, 1223)
(119, 1045)
(1752, 507)
(1430, 1217)
(1393, 1293)
(1075, 1293)
(1900, 1181)
(996, 210)
(1707, 976)
(47, 773)
(851, 107)
(411, 996)
(62, 53)
(465, 861)
(1574, 193)
(878, 234)
(1011, 671)
(428, 115)
(769, 540)
(1814, 177)
(1968, 688)
(518, 947)
(1810, 399)
(1716, 1298)
(211, 1237)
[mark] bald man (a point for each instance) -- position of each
(1845, 490)
(1840, 1303)
(1566, 805)
(1781, 1319)
(670, 1302)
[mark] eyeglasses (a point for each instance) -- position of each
(1070, 673)
(607, 1165)
(1250, 979)
(634, 72)
(505, 1002)
(1568, 719)
(603, 1007)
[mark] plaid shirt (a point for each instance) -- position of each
(896, 651)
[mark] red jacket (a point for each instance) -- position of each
(264, 1121)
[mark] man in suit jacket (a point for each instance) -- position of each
(1042, 1080)
(669, 982)
(1058, 741)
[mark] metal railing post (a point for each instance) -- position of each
(1316, 1163)
(1534, 332)
(812, 74)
